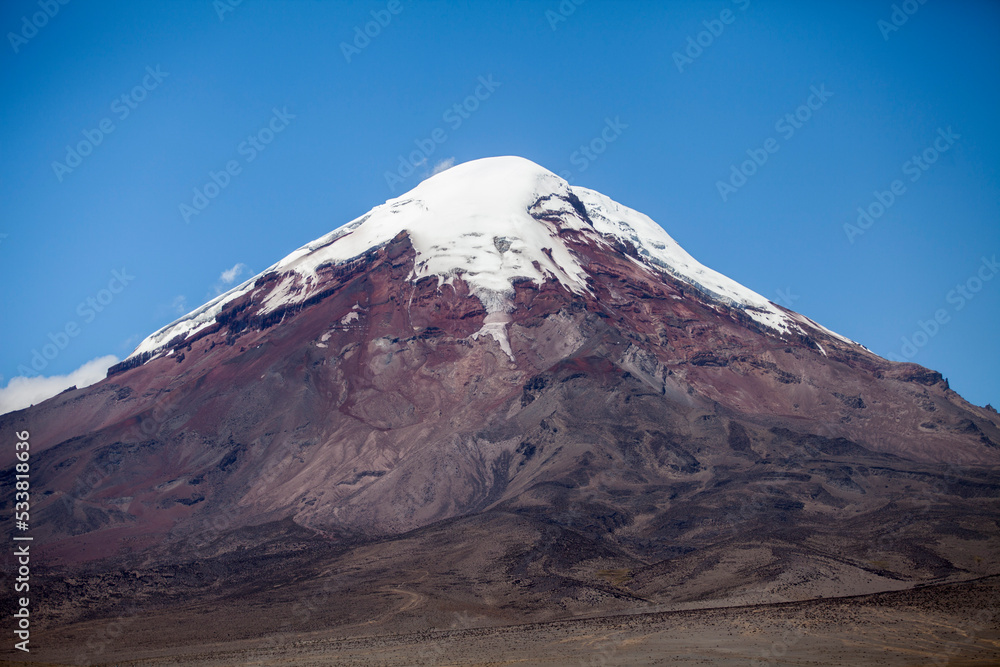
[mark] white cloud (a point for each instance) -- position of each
(230, 275)
(21, 392)
(227, 278)
(443, 165)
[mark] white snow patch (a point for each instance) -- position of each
(798, 317)
(495, 325)
(660, 250)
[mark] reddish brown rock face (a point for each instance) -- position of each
(642, 428)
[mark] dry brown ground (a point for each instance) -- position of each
(955, 624)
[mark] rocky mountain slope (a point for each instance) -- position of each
(502, 393)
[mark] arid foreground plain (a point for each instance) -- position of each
(954, 624)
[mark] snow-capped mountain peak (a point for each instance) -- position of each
(491, 222)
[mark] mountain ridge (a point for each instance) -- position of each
(528, 191)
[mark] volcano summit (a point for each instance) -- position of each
(502, 398)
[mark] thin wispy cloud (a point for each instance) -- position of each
(129, 343)
(443, 165)
(175, 308)
(179, 305)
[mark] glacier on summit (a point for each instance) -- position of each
(487, 222)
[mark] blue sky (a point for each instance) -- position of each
(310, 130)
